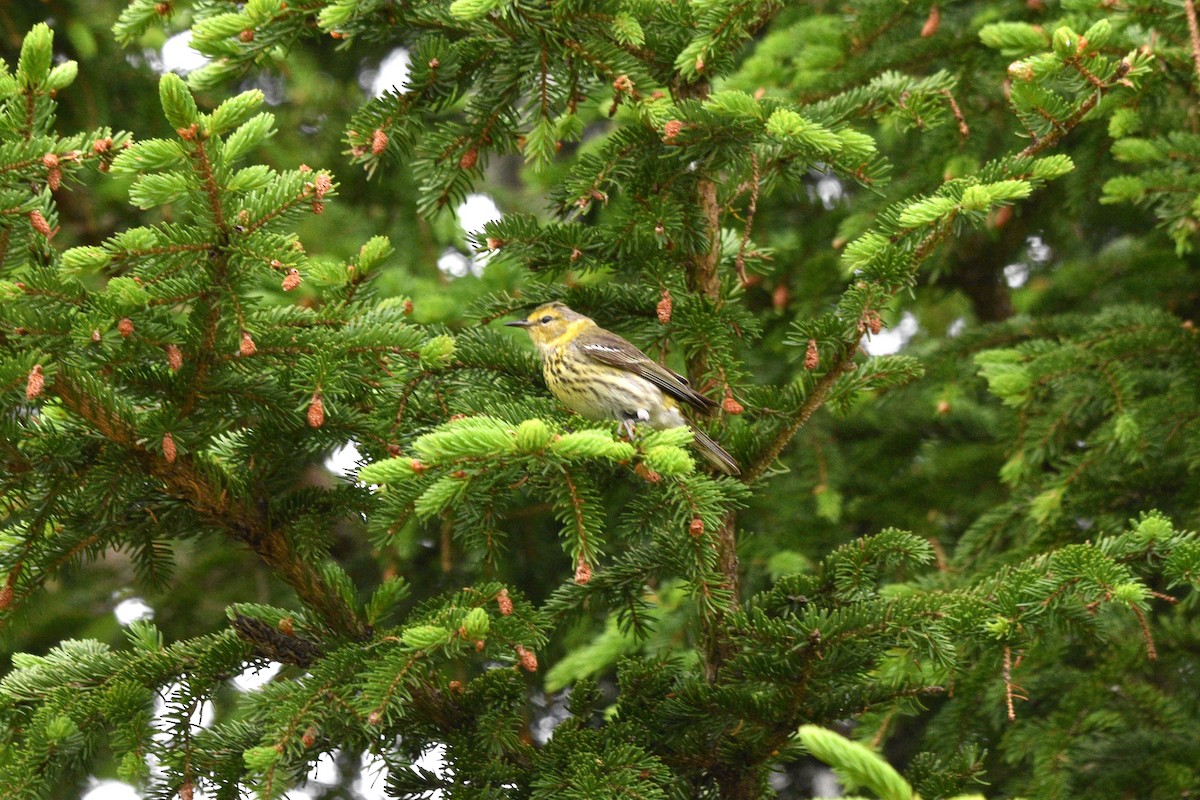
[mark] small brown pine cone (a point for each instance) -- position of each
(291, 280)
(246, 35)
(780, 297)
(54, 179)
(812, 356)
(374, 718)
(379, 141)
(287, 626)
(408, 307)
(730, 404)
(665, 305)
(622, 84)
(168, 448)
(102, 145)
(468, 159)
(504, 602)
(125, 327)
(696, 527)
(310, 736)
(318, 207)
(35, 383)
(316, 411)
(671, 130)
(174, 357)
(39, 224)
(583, 572)
(96, 334)
(931, 23)
(247, 347)
(322, 184)
(528, 659)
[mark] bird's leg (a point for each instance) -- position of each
(628, 421)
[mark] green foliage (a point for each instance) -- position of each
(172, 376)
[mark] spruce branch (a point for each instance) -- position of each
(240, 519)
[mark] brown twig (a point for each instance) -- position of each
(1189, 9)
(812, 402)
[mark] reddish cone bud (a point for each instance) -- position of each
(247, 347)
(162, 9)
(95, 334)
(622, 84)
(583, 572)
(316, 412)
(434, 63)
(39, 224)
(931, 23)
(168, 448)
(101, 145)
(943, 407)
(780, 297)
(456, 686)
(35, 383)
(291, 280)
(322, 184)
(174, 357)
(287, 626)
(528, 660)
(576, 253)
(504, 602)
(468, 159)
(647, 474)
(408, 307)
(379, 141)
(318, 207)
(696, 527)
(246, 35)
(54, 179)
(374, 718)
(125, 327)
(812, 356)
(665, 306)
(479, 645)
(494, 244)
(310, 736)
(671, 130)
(731, 405)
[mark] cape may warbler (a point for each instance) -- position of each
(598, 374)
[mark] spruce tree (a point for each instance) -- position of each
(977, 562)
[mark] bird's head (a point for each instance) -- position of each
(548, 322)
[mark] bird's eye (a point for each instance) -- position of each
(546, 319)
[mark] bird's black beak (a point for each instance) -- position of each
(518, 323)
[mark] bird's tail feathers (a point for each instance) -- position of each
(715, 453)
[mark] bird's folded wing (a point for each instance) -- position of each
(610, 349)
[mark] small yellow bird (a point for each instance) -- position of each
(598, 374)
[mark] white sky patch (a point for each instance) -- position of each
(371, 783)
(830, 191)
(454, 263)
(1015, 275)
(255, 678)
(109, 790)
(325, 771)
(1039, 251)
(392, 73)
(957, 327)
(476, 211)
(344, 461)
(890, 340)
(179, 56)
(201, 716)
(132, 610)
